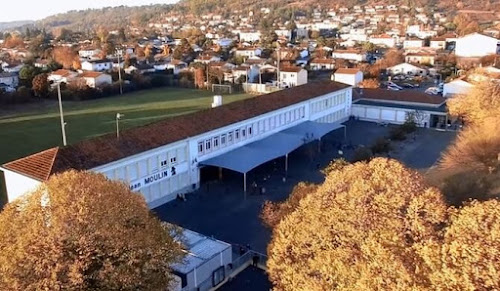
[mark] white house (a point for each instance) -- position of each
(383, 40)
(165, 158)
(62, 75)
(476, 45)
(96, 79)
(97, 65)
(317, 64)
(248, 52)
(292, 76)
(420, 58)
(89, 53)
(350, 54)
(286, 33)
(9, 79)
(407, 69)
(413, 43)
(438, 43)
(457, 87)
(250, 36)
(379, 105)
(176, 66)
(348, 76)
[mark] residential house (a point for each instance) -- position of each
(349, 76)
(292, 76)
(247, 52)
(97, 65)
(140, 68)
(89, 53)
(476, 45)
(12, 67)
(9, 79)
(250, 36)
(96, 79)
(383, 40)
(407, 69)
(62, 75)
(322, 64)
(438, 43)
(413, 43)
(349, 54)
(176, 66)
(424, 58)
(285, 33)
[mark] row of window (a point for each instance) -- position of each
(325, 104)
(245, 132)
(150, 165)
(332, 117)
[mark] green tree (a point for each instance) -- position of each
(81, 231)
(27, 73)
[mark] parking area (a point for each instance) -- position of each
(219, 208)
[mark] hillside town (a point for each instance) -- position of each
(194, 146)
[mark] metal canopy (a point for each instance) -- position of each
(250, 156)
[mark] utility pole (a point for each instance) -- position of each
(278, 71)
(119, 52)
(118, 117)
(63, 124)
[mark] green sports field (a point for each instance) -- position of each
(29, 131)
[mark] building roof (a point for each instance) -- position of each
(407, 96)
(348, 71)
(322, 61)
(62, 73)
(290, 69)
(105, 149)
(90, 74)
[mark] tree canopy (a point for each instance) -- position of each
(378, 226)
(80, 231)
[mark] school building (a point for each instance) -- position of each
(163, 159)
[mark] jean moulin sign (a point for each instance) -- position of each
(153, 178)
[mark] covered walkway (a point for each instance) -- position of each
(250, 156)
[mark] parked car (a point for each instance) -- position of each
(394, 88)
(408, 85)
(432, 91)
(392, 84)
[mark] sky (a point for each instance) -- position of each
(37, 9)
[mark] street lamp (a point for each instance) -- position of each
(118, 54)
(118, 117)
(61, 114)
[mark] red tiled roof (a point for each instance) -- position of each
(322, 61)
(62, 72)
(38, 166)
(291, 69)
(349, 71)
(104, 149)
(398, 96)
(90, 74)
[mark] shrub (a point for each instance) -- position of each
(409, 126)
(397, 133)
(381, 145)
(362, 154)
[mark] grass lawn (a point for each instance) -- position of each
(23, 133)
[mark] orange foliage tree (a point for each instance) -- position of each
(357, 231)
(66, 56)
(81, 231)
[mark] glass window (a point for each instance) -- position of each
(237, 134)
(173, 160)
(243, 132)
(223, 139)
(208, 144)
(230, 136)
(250, 130)
(216, 142)
(200, 147)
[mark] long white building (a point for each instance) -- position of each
(163, 159)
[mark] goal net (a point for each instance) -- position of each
(222, 89)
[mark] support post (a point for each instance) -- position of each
(245, 184)
(446, 123)
(286, 165)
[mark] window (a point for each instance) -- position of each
(250, 130)
(163, 163)
(173, 160)
(230, 136)
(208, 144)
(237, 134)
(222, 139)
(216, 142)
(200, 147)
(243, 133)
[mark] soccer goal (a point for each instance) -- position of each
(222, 89)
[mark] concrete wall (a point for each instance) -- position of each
(17, 184)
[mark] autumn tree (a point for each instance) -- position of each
(369, 83)
(66, 56)
(40, 85)
(467, 257)
(81, 231)
(358, 231)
